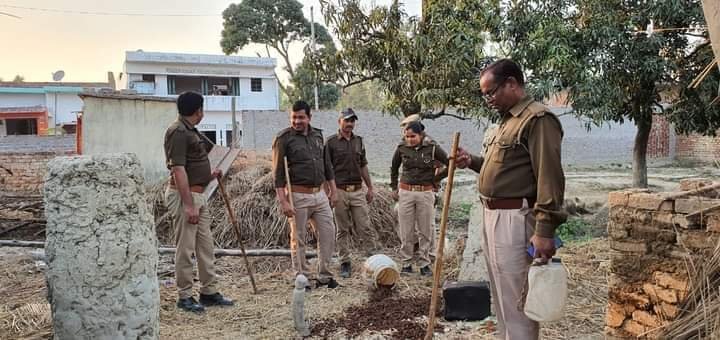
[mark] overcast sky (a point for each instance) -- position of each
(87, 46)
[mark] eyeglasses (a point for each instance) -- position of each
(491, 94)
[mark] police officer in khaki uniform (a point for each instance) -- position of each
(416, 199)
(310, 171)
(186, 155)
(521, 186)
(347, 155)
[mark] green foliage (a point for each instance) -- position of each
(428, 65)
(599, 51)
(275, 24)
(575, 229)
(18, 79)
(303, 87)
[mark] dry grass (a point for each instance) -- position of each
(588, 265)
(267, 315)
(251, 192)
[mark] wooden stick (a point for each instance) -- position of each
(239, 234)
(168, 250)
(291, 220)
(437, 274)
(700, 190)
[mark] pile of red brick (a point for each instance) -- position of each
(652, 236)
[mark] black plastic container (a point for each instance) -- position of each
(466, 300)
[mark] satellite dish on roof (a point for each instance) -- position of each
(58, 76)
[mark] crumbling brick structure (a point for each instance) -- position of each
(653, 235)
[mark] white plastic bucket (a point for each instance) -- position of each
(547, 292)
(381, 270)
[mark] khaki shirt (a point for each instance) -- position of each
(528, 167)
(418, 164)
(309, 165)
(184, 146)
(347, 157)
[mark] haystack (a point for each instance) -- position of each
(252, 196)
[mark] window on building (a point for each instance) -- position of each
(21, 127)
(256, 84)
(148, 77)
(211, 135)
(229, 137)
(183, 84)
(219, 86)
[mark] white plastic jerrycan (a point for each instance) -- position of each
(547, 291)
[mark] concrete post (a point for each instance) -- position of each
(101, 249)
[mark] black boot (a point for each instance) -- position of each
(190, 305)
(345, 270)
(215, 300)
(426, 271)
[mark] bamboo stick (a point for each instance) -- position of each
(168, 250)
(239, 234)
(437, 274)
(291, 220)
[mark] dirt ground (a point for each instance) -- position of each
(24, 313)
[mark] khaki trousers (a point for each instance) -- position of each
(189, 239)
(506, 237)
(416, 215)
(316, 207)
(353, 221)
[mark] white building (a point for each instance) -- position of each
(220, 78)
(36, 108)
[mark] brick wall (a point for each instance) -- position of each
(659, 141)
(652, 237)
(698, 148)
(28, 170)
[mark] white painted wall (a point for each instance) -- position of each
(129, 125)
(21, 99)
(265, 100)
(67, 106)
(161, 85)
(220, 122)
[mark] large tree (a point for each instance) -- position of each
(274, 23)
(423, 66)
(619, 60)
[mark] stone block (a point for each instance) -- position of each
(643, 232)
(700, 240)
(101, 249)
(617, 230)
(650, 201)
(658, 294)
(713, 224)
(645, 318)
(618, 198)
(668, 280)
(634, 328)
(637, 247)
(666, 311)
(615, 315)
(689, 205)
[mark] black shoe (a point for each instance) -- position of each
(190, 305)
(215, 300)
(345, 270)
(330, 283)
(426, 271)
(406, 269)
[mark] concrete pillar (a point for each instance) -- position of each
(101, 249)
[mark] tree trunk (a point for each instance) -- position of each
(640, 152)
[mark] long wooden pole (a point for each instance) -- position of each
(437, 274)
(167, 250)
(291, 220)
(239, 235)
